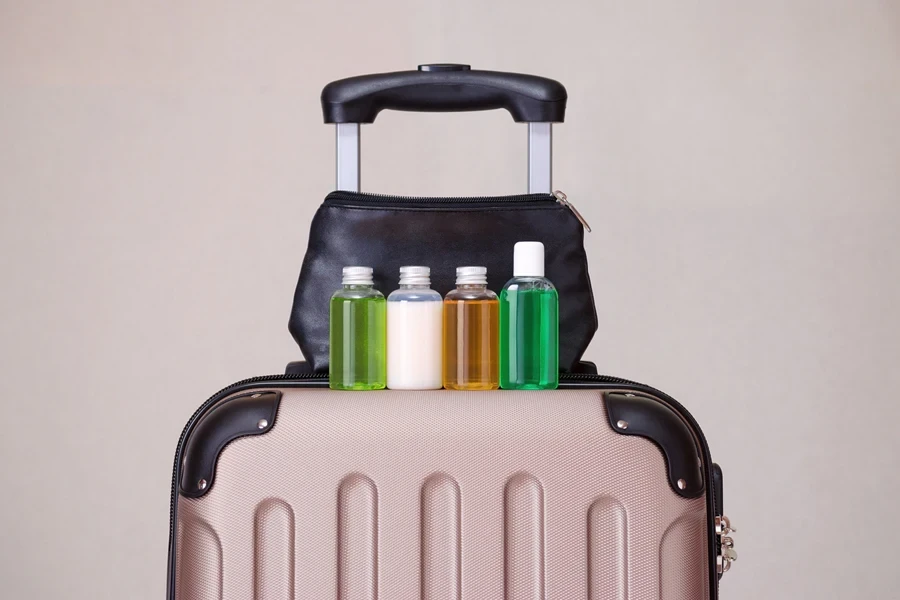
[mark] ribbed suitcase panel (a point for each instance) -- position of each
(441, 496)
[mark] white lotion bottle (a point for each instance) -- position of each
(414, 333)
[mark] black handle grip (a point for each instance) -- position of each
(444, 88)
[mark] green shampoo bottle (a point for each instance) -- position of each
(529, 324)
(357, 334)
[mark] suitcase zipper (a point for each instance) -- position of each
(361, 199)
(323, 377)
(723, 550)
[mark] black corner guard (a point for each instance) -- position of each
(248, 414)
(631, 414)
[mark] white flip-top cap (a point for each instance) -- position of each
(528, 259)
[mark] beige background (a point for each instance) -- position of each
(160, 163)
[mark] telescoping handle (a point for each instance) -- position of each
(538, 101)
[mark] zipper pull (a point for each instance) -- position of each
(564, 200)
(727, 554)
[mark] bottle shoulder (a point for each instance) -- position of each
(358, 293)
(414, 295)
(457, 294)
(529, 284)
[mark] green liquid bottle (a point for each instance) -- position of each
(357, 351)
(529, 324)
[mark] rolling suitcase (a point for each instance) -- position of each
(603, 488)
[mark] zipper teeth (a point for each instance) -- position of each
(587, 377)
(384, 198)
(597, 378)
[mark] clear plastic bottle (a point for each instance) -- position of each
(357, 334)
(414, 332)
(529, 324)
(470, 333)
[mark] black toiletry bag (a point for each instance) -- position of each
(387, 232)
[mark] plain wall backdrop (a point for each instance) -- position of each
(160, 164)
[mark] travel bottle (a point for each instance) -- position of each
(529, 324)
(357, 334)
(414, 332)
(470, 333)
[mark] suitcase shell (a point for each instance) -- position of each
(286, 490)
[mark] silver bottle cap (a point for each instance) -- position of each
(415, 276)
(357, 276)
(471, 275)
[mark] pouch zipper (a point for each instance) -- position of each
(322, 378)
(344, 198)
(362, 199)
(564, 200)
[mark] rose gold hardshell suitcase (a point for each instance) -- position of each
(602, 489)
(286, 489)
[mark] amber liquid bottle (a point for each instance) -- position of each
(471, 334)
